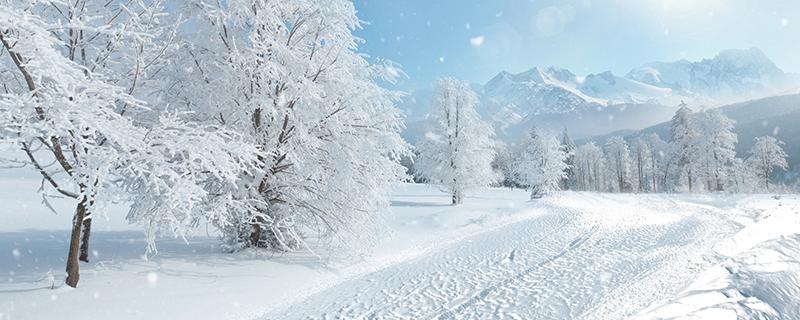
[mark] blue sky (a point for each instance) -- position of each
(474, 40)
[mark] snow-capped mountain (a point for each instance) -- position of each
(603, 102)
(614, 89)
(536, 91)
(733, 75)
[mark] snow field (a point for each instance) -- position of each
(575, 255)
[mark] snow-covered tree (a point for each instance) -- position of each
(569, 147)
(742, 177)
(659, 163)
(619, 164)
(766, 155)
(457, 153)
(717, 147)
(69, 120)
(504, 164)
(590, 168)
(287, 75)
(540, 163)
(128, 44)
(642, 164)
(684, 152)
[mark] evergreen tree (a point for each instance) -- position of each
(683, 145)
(569, 148)
(540, 163)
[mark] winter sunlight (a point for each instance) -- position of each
(375, 159)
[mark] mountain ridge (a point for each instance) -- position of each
(554, 97)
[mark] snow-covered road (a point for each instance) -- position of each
(575, 255)
(583, 257)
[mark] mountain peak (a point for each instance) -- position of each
(734, 74)
(752, 58)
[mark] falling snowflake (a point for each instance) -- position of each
(16, 253)
(441, 59)
(785, 22)
(152, 278)
(477, 41)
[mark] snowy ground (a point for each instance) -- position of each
(575, 255)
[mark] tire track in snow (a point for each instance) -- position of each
(434, 280)
(451, 312)
(372, 313)
(562, 268)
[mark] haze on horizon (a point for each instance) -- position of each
(475, 40)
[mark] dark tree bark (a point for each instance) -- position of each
(255, 234)
(73, 267)
(87, 230)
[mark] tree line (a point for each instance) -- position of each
(698, 156)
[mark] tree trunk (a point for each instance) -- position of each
(766, 181)
(536, 193)
(457, 199)
(255, 234)
(87, 231)
(73, 268)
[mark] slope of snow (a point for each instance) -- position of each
(574, 255)
(759, 279)
(121, 283)
(586, 256)
(616, 89)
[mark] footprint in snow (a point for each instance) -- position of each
(510, 256)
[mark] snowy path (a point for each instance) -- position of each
(571, 261)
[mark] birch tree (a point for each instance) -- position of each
(458, 152)
(619, 163)
(766, 155)
(590, 168)
(717, 147)
(642, 160)
(659, 162)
